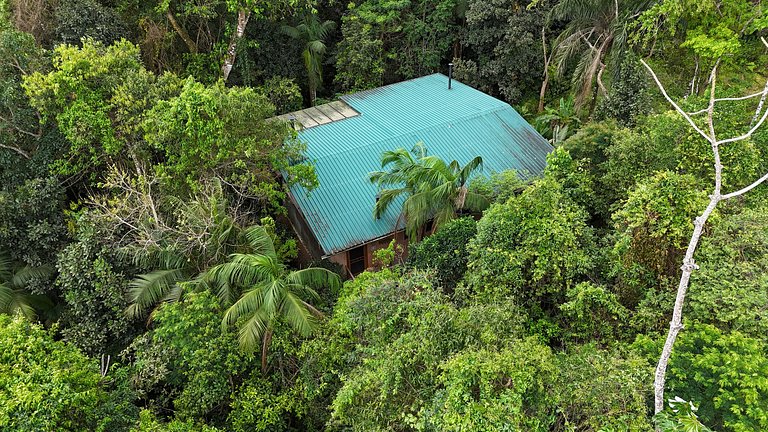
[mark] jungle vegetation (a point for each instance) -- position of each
(150, 281)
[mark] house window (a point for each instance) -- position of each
(357, 260)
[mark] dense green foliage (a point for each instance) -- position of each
(150, 279)
(445, 251)
(50, 385)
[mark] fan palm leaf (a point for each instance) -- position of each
(14, 281)
(147, 290)
(435, 189)
(268, 293)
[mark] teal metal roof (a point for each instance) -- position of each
(459, 123)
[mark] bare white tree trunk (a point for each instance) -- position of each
(242, 20)
(760, 105)
(545, 82)
(692, 85)
(765, 91)
(689, 265)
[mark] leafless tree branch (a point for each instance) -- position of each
(689, 265)
(24, 154)
(671, 102)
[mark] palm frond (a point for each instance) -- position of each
(297, 315)
(442, 216)
(434, 172)
(164, 258)
(20, 303)
(243, 271)
(399, 158)
(476, 202)
(419, 150)
(316, 47)
(386, 197)
(468, 169)
(260, 241)
(147, 290)
(273, 299)
(250, 303)
(443, 196)
(27, 274)
(292, 32)
(251, 332)
(315, 278)
(417, 210)
(6, 268)
(6, 297)
(325, 29)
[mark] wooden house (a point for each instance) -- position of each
(346, 138)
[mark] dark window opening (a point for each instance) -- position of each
(428, 227)
(357, 260)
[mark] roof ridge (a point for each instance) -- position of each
(371, 90)
(470, 116)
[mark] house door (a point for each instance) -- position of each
(357, 260)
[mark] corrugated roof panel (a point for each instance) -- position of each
(459, 123)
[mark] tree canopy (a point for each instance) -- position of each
(151, 277)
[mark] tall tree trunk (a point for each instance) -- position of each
(692, 85)
(242, 20)
(457, 49)
(600, 84)
(545, 82)
(312, 95)
(191, 45)
(689, 265)
(264, 349)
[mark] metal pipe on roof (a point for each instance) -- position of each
(450, 74)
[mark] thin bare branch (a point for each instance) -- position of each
(748, 134)
(762, 93)
(746, 189)
(669, 99)
(17, 150)
(742, 97)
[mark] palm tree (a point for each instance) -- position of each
(13, 281)
(270, 292)
(559, 122)
(595, 29)
(401, 165)
(312, 33)
(435, 190)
